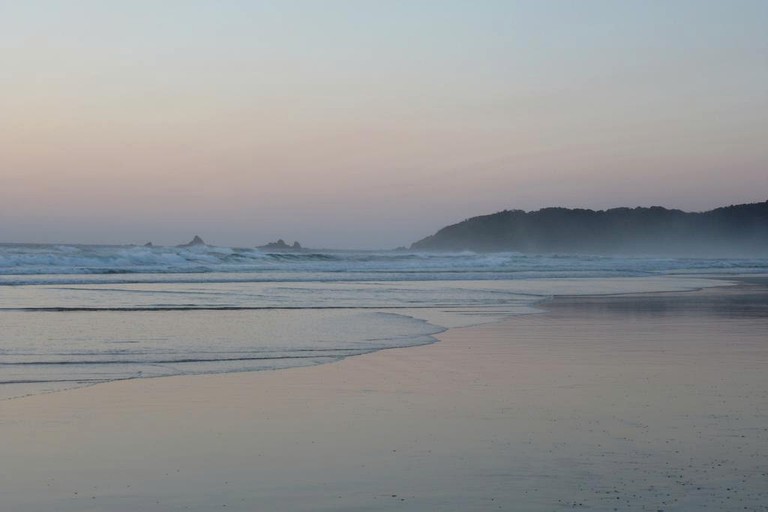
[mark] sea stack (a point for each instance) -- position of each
(195, 241)
(280, 245)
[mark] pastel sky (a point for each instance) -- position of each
(369, 123)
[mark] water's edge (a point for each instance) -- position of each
(439, 320)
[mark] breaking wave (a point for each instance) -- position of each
(37, 260)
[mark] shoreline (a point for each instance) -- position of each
(538, 292)
(528, 413)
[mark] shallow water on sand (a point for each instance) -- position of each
(57, 337)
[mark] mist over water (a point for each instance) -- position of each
(79, 315)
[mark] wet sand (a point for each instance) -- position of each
(645, 402)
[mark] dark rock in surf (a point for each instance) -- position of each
(280, 245)
(195, 242)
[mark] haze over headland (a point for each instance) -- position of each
(369, 124)
(732, 231)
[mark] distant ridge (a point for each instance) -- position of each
(736, 230)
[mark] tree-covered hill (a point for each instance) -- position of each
(737, 230)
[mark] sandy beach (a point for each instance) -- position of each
(642, 402)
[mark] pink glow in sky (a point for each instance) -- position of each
(369, 124)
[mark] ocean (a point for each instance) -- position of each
(76, 315)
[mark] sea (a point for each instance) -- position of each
(79, 315)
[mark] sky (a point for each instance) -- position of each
(369, 123)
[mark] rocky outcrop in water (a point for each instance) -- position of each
(194, 242)
(280, 245)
